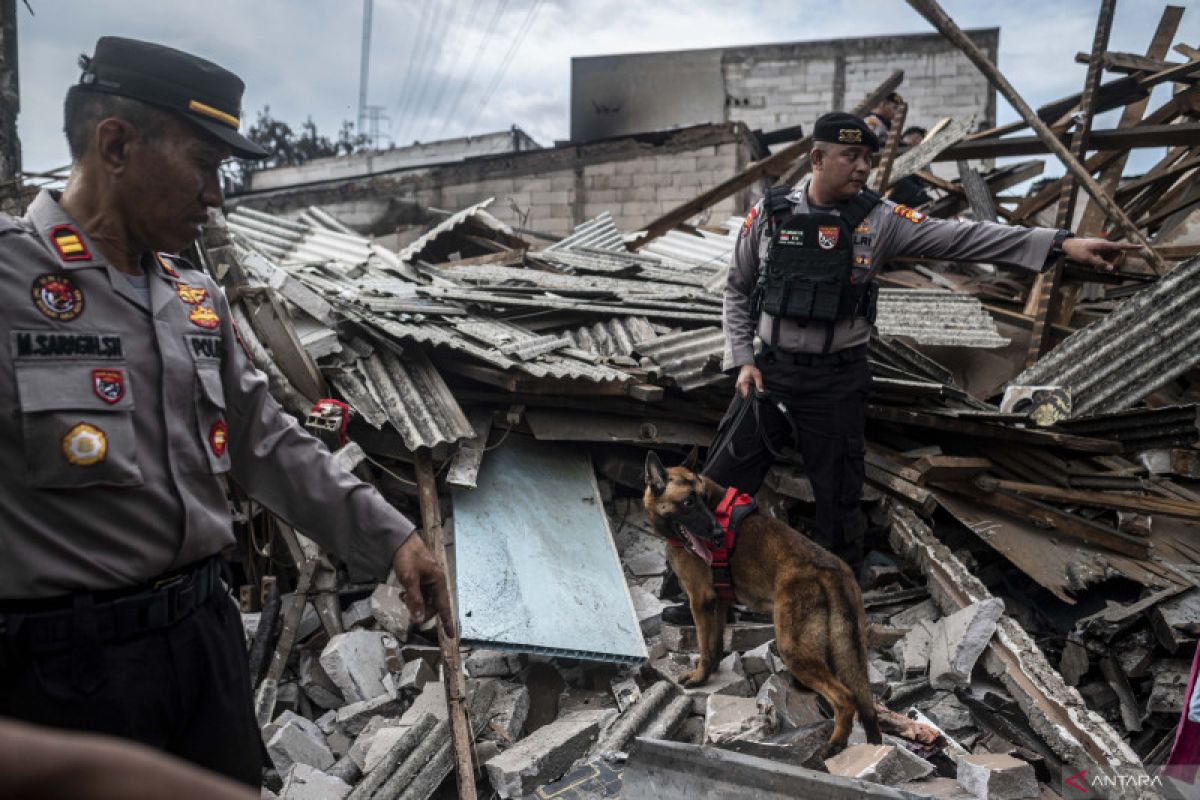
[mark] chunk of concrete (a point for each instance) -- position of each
(303, 782)
(387, 606)
(315, 683)
(997, 776)
(759, 661)
(679, 638)
(358, 615)
(727, 718)
(354, 717)
(959, 641)
(948, 712)
(648, 608)
(546, 754)
(799, 747)
(414, 675)
(912, 652)
(492, 664)
(789, 707)
(879, 763)
(431, 700)
(382, 742)
(509, 711)
(742, 636)
(297, 740)
(924, 611)
(646, 563)
(355, 662)
(937, 788)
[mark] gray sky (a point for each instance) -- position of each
(302, 57)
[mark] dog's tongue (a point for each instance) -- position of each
(698, 546)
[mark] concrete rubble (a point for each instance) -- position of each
(1032, 489)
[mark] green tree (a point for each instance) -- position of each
(286, 148)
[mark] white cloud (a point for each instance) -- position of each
(302, 57)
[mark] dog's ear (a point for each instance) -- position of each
(656, 473)
(692, 459)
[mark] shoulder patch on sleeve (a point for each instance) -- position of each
(910, 214)
(748, 223)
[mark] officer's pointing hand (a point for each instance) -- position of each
(1100, 254)
(423, 582)
(749, 375)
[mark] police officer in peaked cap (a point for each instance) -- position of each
(802, 280)
(125, 401)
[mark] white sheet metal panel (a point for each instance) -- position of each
(537, 569)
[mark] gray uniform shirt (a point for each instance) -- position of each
(889, 230)
(119, 417)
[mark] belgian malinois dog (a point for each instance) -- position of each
(820, 624)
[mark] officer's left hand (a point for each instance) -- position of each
(423, 582)
(1099, 254)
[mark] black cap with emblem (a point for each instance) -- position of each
(838, 127)
(200, 91)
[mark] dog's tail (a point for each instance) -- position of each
(848, 648)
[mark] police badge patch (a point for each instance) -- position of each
(827, 236)
(84, 445)
(109, 385)
(204, 317)
(57, 297)
(910, 214)
(218, 436)
(192, 295)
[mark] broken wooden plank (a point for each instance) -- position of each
(452, 669)
(1139, 136)
(916, 496)
(950, 424)
(1057, 712)
(1118, 502)
(891, 147)
(941, 468)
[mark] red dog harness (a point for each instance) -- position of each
(730, 513)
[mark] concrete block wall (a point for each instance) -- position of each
(550, 190)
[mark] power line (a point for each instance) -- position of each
(434, 55)
(487, 38)
(508, 57)
(407, 83)
(452, 51)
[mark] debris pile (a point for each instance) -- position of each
(1033, 489)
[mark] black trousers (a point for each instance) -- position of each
(826, 399)
(183, 689)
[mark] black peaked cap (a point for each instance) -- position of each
(839, 127)
(202, 92)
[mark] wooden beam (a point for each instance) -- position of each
(1183, 509)
(1130, 63)
(452, 669)
(984, 430)
(891, 147)
(1045, 289)
(1110, 139)
(776, 164)
(933, 12)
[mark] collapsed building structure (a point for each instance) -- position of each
(1033, 477)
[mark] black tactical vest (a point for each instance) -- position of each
(808, 275)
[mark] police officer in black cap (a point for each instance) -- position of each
(802, 280)
(126, 400)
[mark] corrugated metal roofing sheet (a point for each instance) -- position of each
(475, 213)
(600, 233)
(691, 359)
(934, 317)
(1148, 341)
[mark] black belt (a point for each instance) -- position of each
(47, 625)
(848, 356)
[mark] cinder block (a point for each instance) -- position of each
(356, 663)
(546, 754)
(997, 776)
(305, 783)
(297, 740)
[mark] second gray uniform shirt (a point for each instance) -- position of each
(890, 230)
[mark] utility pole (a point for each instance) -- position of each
(364, 68)
(10, 105)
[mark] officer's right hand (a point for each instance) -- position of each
(748, 376)
(424, 583)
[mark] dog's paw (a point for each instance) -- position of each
(695, 677)
(830, 750)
